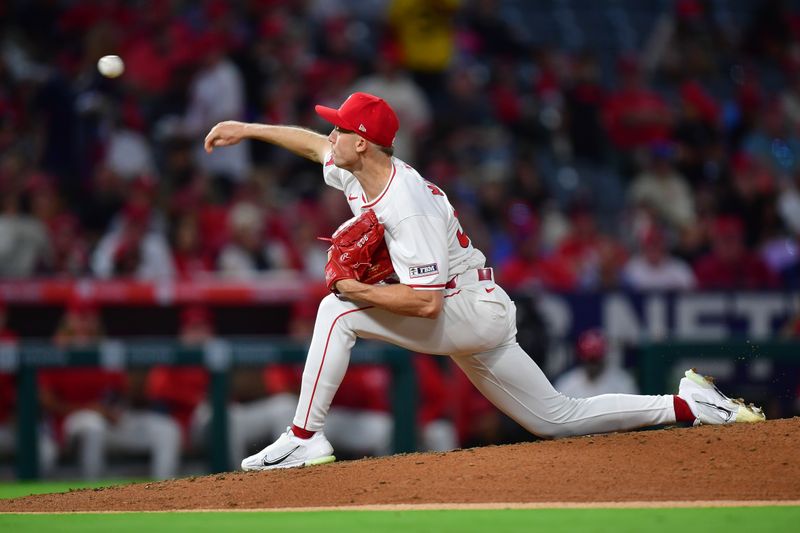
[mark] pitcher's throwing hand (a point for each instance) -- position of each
(225, 134)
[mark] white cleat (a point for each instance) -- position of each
(710, 406)
(291, 452)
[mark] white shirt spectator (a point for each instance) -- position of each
(575, 383)
(789, 208)
(670, 274)
(155, 258)
(217, 94)
(24, 246)
(129, 155)
(236, 263)
(247, 255)
(668, 194)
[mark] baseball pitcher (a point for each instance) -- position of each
(443, 299)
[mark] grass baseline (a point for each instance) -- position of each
(655, 520)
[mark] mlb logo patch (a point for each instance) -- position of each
(423, 270)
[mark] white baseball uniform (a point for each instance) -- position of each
(476, 327)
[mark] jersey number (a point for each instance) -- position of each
(463, 240)
(436, 191)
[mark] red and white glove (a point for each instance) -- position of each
(358, 251)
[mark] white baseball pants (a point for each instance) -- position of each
(135, 431)
(477, 328)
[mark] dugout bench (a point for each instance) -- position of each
(218, 356)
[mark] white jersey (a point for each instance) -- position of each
(425, 240)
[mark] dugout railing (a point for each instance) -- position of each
(218, 356)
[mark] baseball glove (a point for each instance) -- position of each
(358, 251)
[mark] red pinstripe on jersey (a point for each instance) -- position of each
(324, 353)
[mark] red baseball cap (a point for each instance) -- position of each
(195, 315)
(591, 345)
(365, 114)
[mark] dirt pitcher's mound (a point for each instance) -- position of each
(743, 462)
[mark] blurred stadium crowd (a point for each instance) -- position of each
(586, 146)
(671, 165)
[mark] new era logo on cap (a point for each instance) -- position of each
(367, 114)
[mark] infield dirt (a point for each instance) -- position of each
(758, 462)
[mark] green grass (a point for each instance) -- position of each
(706, 520)
(23, 488)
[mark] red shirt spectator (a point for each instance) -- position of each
(634, 116)
(191, 260)
(730, 265)
(550, 272)
(178, 390)
(65, 390)
(581, 244)
(431, 383)
(527, 266)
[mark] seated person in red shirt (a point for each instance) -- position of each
(635, 116)
(529, 267)
(730, 265)
(87, 406)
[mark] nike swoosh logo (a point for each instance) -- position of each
(727, 413)
(350, 197)
(329, 162)
(490, 290)
(279, 460)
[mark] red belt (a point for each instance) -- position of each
(484, 274)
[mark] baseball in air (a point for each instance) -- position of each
(111, 66)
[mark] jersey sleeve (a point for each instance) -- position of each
(419, 252)
(332, 174)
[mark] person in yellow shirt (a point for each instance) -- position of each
(425, 31)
